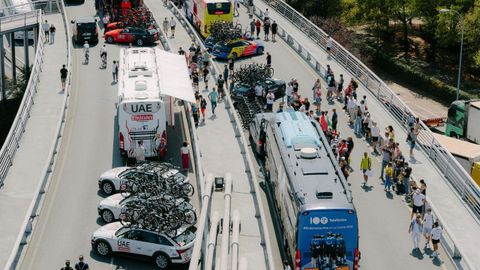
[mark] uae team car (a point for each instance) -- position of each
(238, 48)
(115, 180)
(110, 208)
(210, 41)
(156, 246)
(277, 86)
(134, 35)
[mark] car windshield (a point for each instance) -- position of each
(87, 27)
(124, 172)
(186, 237)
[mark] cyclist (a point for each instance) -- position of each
(103, 55)
(81, 265)
(86, 51)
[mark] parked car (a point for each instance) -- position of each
(277, 86)
(237, 48)
(85, 29)
(110, 208)
(156, 246)
(134, 35)
(210, 41)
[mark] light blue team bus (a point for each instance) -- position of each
(313, 200)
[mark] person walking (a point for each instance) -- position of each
(139, 153)
(213, 97)
(411, 140)
(269, 59)
(165, 25)
(386, 156)
(436, 234)
(388, 177)
(258, 24)
(418, 202)
(231, 65)
(52, 33)
(115, 71)
(173, 24)
(81, 265)
(274, 30)
(428, 221)
(366, 167)
(374, 133)
(205, 77)
(407, 171)
(184, 153)
(415, 229)
(195, 113)
(338, 94)
(221, 89)
(252, 27)
(225, 75)
(329, 45)
(203, 107)
(46, 30)
(63, 76)
(266, 15)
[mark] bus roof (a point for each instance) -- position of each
(310, 165)
(458, 147)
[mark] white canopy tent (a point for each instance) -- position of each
(174, 79)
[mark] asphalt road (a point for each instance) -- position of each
(89, 147)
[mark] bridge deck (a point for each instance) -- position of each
(30, 160)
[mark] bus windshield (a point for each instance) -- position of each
(323, 233)
(218, 8)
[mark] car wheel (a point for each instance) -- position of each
(139, 42)
(103, 248)
(161, 260)
(107, 216)
(107, 187)
(110, 39)
(260, 50)
(234, 56)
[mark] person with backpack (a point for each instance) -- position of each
(366, 167)
(81, 265)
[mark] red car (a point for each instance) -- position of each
(134, 35)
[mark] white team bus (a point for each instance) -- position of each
(141, 107)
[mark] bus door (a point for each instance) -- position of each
(327, 238)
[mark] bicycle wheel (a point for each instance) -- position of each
(188, 189)
(190, 217)
(270, 71)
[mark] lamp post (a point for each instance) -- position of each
(446, 10)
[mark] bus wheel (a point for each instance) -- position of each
(454, 135)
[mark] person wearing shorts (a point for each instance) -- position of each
(428, 221)
(436, 235)
(418, 202)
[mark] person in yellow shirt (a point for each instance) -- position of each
(388, 176)
(366, 167)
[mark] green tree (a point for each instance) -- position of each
(472, 37)
(17, 90)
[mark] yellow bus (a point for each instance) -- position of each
(202, 13)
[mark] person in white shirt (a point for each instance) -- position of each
(436, 235)
(428, 221)
(351, 108)
(415, 229)
(270, 100)
(46, 30)
(375, 133)
(418, 202)
(329, 44)
(184, 151)
(165, 26)
(173, 23)
(139, 152)
(258, 90)
(86, 51)
(266, 15)
(289, 92)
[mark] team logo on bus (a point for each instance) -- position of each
(317, 220)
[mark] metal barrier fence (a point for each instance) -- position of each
(35, 205)
(48, 7)
(445, 162)
(236, 123)
(12, 141)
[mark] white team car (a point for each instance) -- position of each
(162, 249)
(110, 208)
(114, 180)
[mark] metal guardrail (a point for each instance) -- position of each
(48, 7)
(456, 176)
(11, 143)
(34, 207)
(236, 123)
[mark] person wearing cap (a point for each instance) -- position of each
(418, 202)
(81, 265)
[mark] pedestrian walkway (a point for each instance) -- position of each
(31, 158)
(449, 208)
(221, 154)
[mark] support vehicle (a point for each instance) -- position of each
(463, 120)
(202, 13)
(85, 29)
